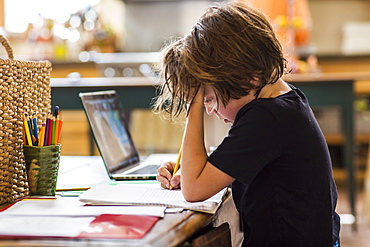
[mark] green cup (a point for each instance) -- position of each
(42, 168)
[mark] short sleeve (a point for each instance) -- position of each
(253, 142)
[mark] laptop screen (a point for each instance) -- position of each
(109, 126)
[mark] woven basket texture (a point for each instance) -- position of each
(24, 87)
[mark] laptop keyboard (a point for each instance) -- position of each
(150, 169)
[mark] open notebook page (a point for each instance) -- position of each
(129, 194)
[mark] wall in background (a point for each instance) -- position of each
(150, 23)
(329, 18)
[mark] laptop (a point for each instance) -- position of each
(109, 126)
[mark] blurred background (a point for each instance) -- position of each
(121, 39)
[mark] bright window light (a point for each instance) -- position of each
(19, 13)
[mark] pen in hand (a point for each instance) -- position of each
(177, 165)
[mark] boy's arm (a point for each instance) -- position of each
(199, 178)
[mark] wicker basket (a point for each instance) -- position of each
(24, 87)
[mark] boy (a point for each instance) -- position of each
(275, 156)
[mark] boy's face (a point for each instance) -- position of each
(225, 113)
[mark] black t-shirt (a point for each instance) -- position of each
(284, 187)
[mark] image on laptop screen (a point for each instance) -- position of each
(110, 129)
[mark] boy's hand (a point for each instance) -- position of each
(198, 98)
(165, 176)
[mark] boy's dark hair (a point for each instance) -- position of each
(231, 47)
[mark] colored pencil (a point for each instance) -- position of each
(53, 131)
(42, 136)
(46, 135)
(35, 129)
(27, 130)
(59, 130)
(50, 129)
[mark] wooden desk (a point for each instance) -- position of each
(173, 230)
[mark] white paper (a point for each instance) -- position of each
(128, 194)
(43, 225)
(81, 172)
(66, 206)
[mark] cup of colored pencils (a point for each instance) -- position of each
(42, 152)
(45, 135)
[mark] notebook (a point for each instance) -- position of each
(147, 195)
(109, 126)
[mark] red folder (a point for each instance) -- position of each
(119, 226)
